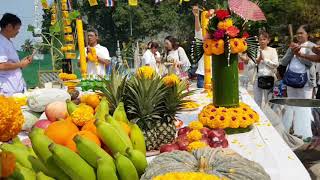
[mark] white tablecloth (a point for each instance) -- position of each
(262, 144)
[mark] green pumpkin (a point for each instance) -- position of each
(224, 163)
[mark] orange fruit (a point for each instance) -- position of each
(93, 100)
(85, 134)
(126, 127)
(60, 131)
(83, 98)
(89, 126)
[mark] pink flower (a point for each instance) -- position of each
(218, 34)
(222, 14)
(232, 31)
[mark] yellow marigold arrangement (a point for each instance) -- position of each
(195, 125)
(92, 56)
(196, 145)
(194, 135)
(66, 76)
(82, 115)
(240, 117)
(224, 37)
(171, 80)
(145, 72)
(11, 118)
(187, 176)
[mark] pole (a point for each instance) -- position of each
(207, 59)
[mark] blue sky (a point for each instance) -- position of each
(25, 9)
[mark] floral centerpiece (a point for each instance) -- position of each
(225, 39)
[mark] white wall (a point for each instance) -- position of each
(24, 9)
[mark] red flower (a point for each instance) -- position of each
(222, 14)
(232, 31)
(245, 35)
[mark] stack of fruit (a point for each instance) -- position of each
(196, 136)
(151, 101)
(106, 147)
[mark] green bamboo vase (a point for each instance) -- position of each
(225, 81)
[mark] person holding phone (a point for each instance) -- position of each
(11, 79)
(300, 76)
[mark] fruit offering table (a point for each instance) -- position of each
(261, 144)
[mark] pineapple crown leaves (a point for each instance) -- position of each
(114, 89)
(175, 98)
(145, 99)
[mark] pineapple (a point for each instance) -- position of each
(153, 106)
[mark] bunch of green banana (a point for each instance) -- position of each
(122, 132)
(111, 137)
(138, 159)
(119, 113)
(102, 109)
(71, 163)
(137, 139)
(105, 171)
(90, 152)
(125, 168)
(40, 143)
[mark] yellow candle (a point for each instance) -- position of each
(83, 62)
(207, 59)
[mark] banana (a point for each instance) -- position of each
(119, 113)
(102, 109)
(40, 143)
(90, 152)
(105, 171)
(23, 173)
(138, 159)
(20, 154)
(125, 168)
(71, 106)
(137, 139)
(71, 163)
(120, 129)
(37, 165)
(42, 176)
(111, 137)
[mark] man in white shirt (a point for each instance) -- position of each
(94, 69)
(149, 57)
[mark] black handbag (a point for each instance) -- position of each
(265, 82)
(295, 80)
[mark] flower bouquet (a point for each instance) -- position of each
(225, 39)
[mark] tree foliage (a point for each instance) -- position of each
(151, 21)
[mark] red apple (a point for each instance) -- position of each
(169, 147)
(43, 123)
(184, 130)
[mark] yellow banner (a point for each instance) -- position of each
(133, 2)
(93, 2)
